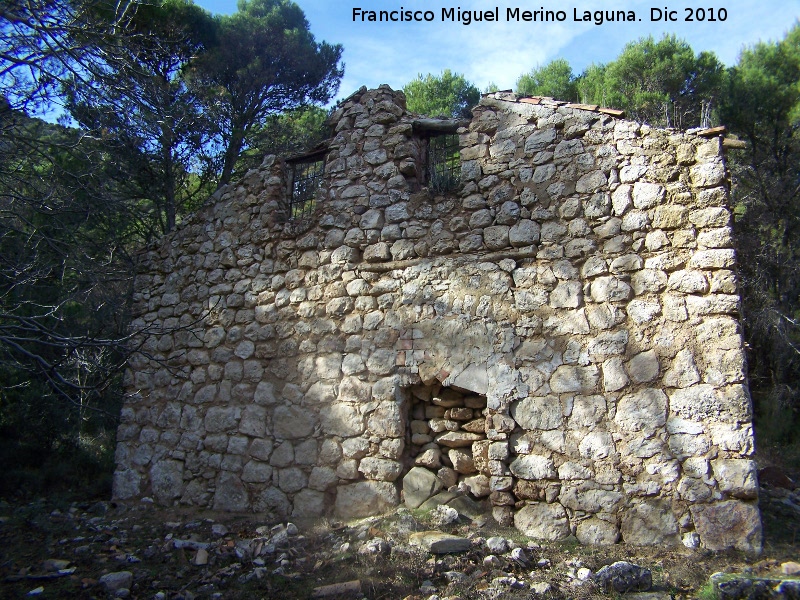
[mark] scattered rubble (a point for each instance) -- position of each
(145, 552)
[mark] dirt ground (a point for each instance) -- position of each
(174, 554)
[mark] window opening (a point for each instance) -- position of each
(306, 180)
(444, 162)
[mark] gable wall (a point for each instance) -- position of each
(582, 279)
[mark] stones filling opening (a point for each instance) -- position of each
(447, 447)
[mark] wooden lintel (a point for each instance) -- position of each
(440, 125)
(733, 144)
(612, 112)
(592, 107)
(713, 131)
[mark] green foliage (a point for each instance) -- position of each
(48, 448)
(707, 592)
(448, 94)
(555, 79)
(154, 135)
(761, 104)
(292, 131)
(62, 305)
(661, 82)
(591, 85)
(265, 61)
(150, 119)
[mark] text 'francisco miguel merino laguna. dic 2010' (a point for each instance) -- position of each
(598, 17)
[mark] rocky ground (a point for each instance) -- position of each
(101, 550)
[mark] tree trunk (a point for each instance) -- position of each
(232, 154)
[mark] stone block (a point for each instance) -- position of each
(567, 294)
(437, 542)
(588, 499)
(713, 259)
(642, 411)
(256, 472)
(342, 419)
(308, 504)
(462, 461)
(253, 421)
(379, 252)
(591, 182)
(543, 521)
(533, 467)
(596, 445)
(648, 195)
(365, 498)
(648, 281)
(536, 413)
(380, 469)
(570, 378)
(126, 484)
(419, 484)
(496, 237)
(650, 523)
(615, 377)
(707, 174)
(230, 494)
(610, 289)
(669, 216)
(220, 418)
(736, 477)
(643, 367)
(292, 422)
(688, 282)
(597, 532)
(731, 524)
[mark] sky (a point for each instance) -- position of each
(500, 51)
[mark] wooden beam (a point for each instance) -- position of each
(713, 131)
(733, 144)
(441, 125)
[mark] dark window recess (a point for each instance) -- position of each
(306, 179)
(443, 169)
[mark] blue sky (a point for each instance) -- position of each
(500, 52)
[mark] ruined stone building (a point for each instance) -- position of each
(537, 307)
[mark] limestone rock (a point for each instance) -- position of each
(623, 577)
(645, 410)
(462, 461)
(365, 498)
(231, 494)
(533, 467)
(649, 523)
(437, 542)
(419, 484)
(536, 413)
(116, 581)
(569, 378)
(643, 367)
(597, 532)
(543, 521)
(457, 439)
(728, 524)
(477, 485)
(736, 477)
(380, 468)
(292, 422)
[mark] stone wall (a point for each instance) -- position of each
(559, 334)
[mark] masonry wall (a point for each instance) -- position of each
(558, 336)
